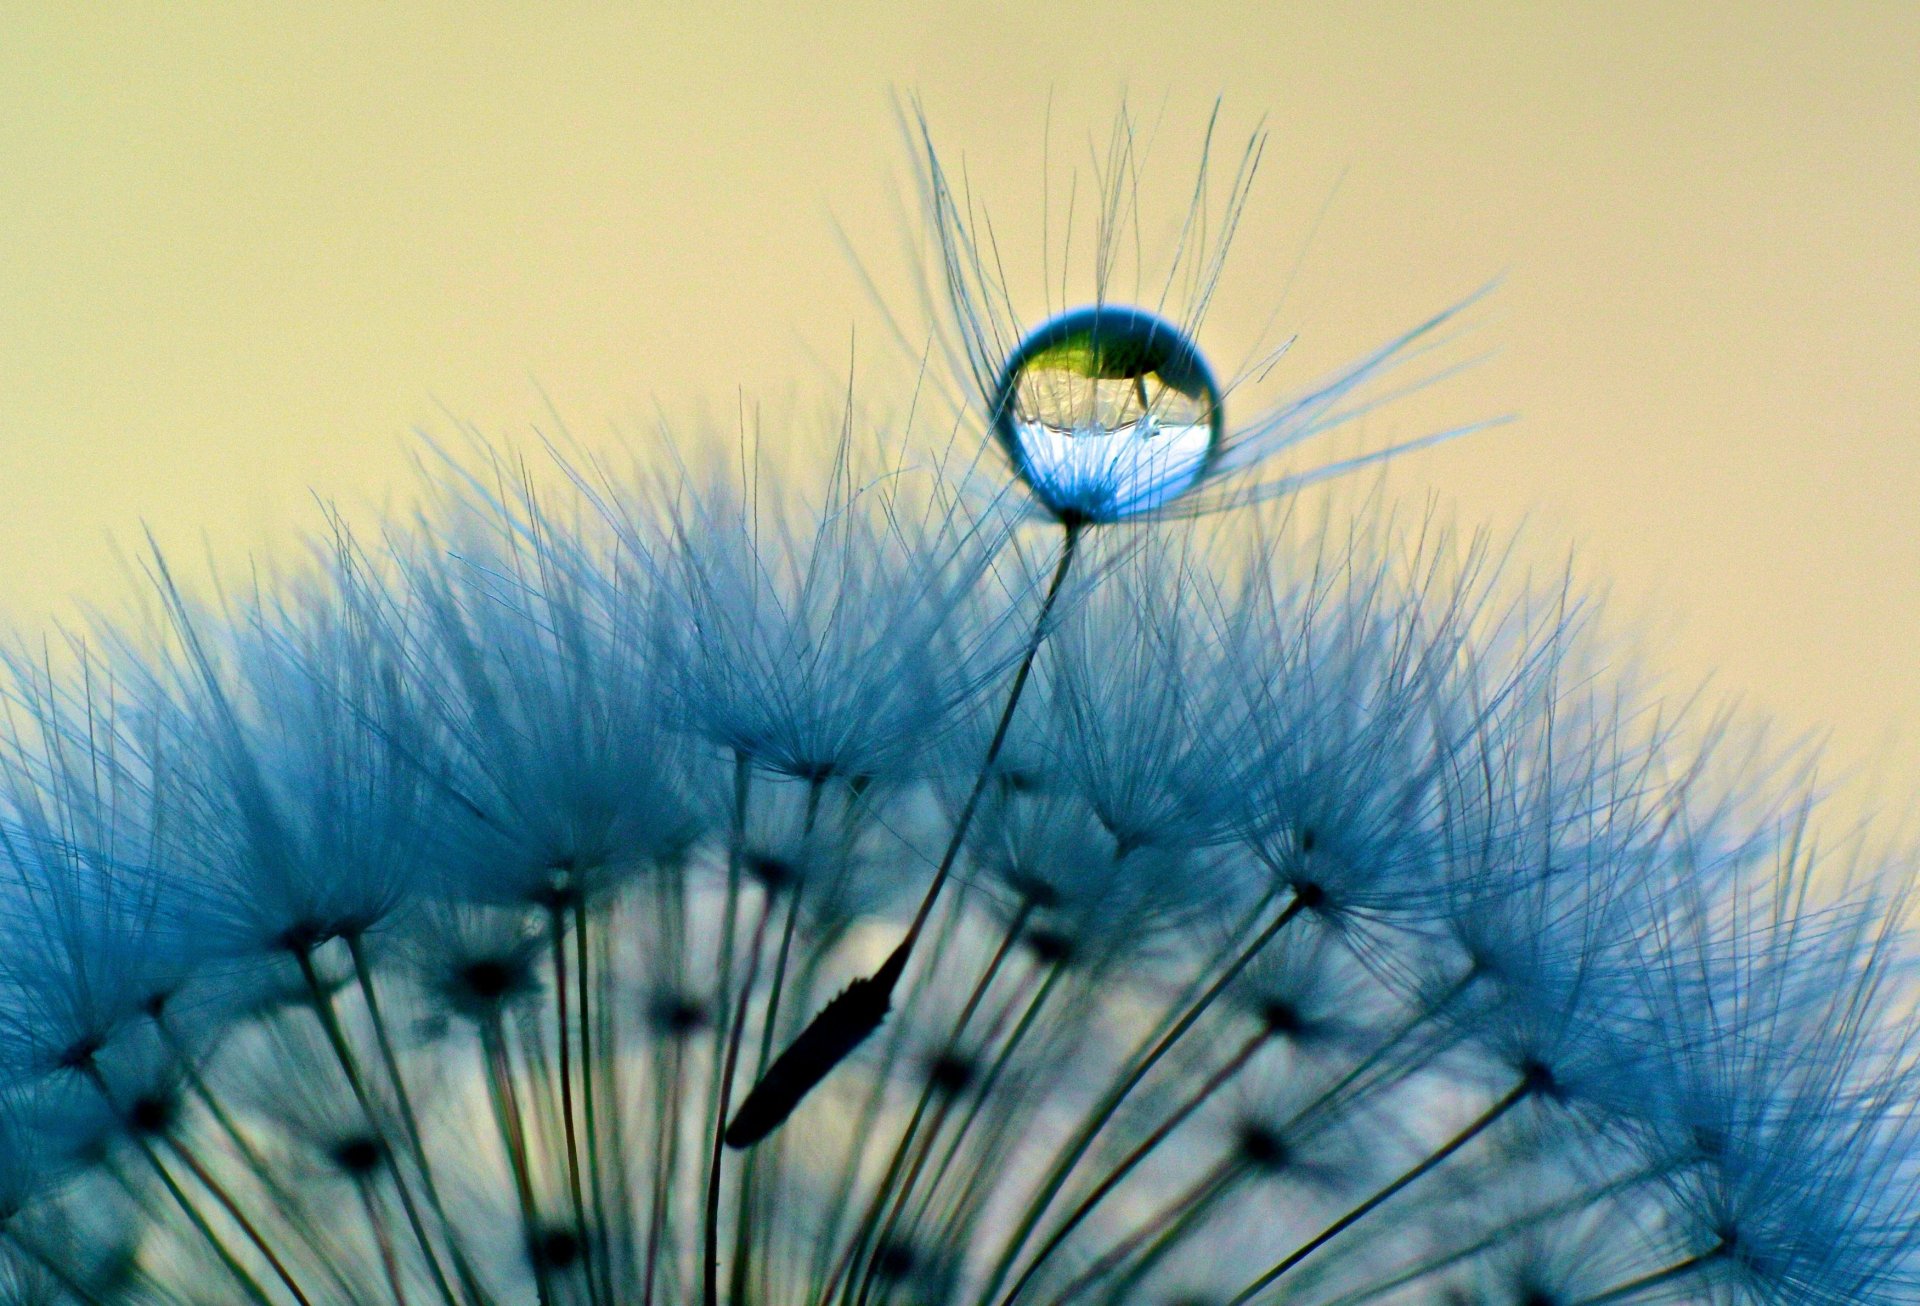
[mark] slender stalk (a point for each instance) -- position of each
(752, 1170)
(669, 1086)
(377, 1222)
(729, 921)
(1161, 1234)
(874, 1206)
(1532, 1219)
(711, 1254)
(247, 1282)
(326, 1252)
(239, 1217)
(1110, 1102)
(557, 931)
(1513, 1097)
(1374, 1068)
(978, 993)
(198, 1086)
(666, 1156)
(750, 1175)
(98, 1081)
(846, 1022)
(1213, 1083)
(349, 1065)
(1014, 928)
(1033, 1006)
(864, 1134)
(1678, 1269)
(506, 1111)
(409, 1119)
(602, 1257)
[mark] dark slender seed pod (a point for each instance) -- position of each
(830, 1038)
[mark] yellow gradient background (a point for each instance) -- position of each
(245, 249)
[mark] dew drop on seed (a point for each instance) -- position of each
(1108, 411)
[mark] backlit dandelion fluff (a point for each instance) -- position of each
(1173, 906)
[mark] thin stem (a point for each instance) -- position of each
(1103, 1111)
(378, 1223)
(595, 1180)
(750, 1173)
(1532, 1219)
(1678, 1269)
(1513, 1097)
(711, 1255)
(1160, 1235)
(1370, 1068)
(1068, 547)
(98, 1081)
(326, 1252)
(843, 1024)
(1139, 1153)
(246, 1281)
(666, 1156)
(409, 1120)
(669, 1083)
(1029, 1016)
(239, 1217)
(992, 970)
(557, 931)
(729, 921)
(1014, 929)
(506, 1111)
(350, 1066)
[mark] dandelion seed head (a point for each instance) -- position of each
(1291, 906)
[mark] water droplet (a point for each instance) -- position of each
(1107, 411)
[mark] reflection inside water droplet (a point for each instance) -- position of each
(1108, 411)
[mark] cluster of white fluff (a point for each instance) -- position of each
(1328, 922)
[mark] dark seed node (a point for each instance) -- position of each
(1050, 946)
(1034, 891)
(149, 1114)
(1280, 1017)
(1016, 781)
(556, 1249)
(676, 1015)
(79, 1055)
(951, 1072)
(770, 872)
(1538, 1078)
(302, 937)
(559, 891)
(488, 979)
(1263, 1148)
(894, 1261)
(358, 1155)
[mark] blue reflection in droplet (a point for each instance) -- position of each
(1107, 411)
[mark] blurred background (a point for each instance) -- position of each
(247, 250)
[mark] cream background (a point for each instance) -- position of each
(245, 248)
